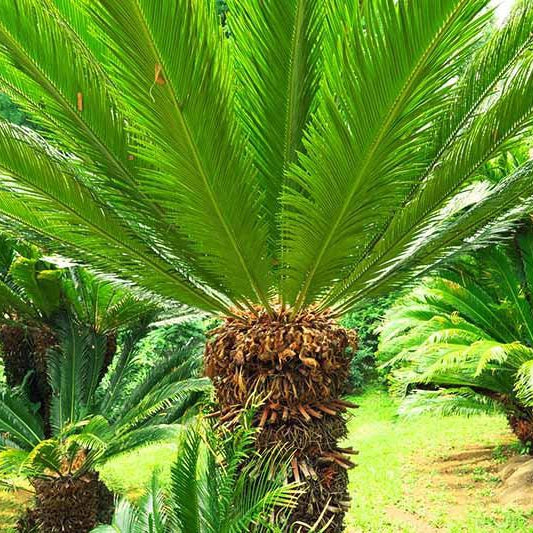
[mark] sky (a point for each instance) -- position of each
(502, 7)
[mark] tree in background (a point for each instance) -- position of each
(366, 320)
(321, 155)
(35, 298)
(462, 342)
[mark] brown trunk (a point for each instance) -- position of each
(522, 427)
(299, 368)
(16, 353)
(43, 338)
(111, 350)
(68, 505)
(24, 349)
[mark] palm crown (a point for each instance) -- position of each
(306, 160)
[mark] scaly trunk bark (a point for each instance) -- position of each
(111, 350)
(24, 349)
(522, 427)
(299, 367)
(68, 504)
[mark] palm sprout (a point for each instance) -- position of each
(462, 342)
(275, 171)
(218, 483)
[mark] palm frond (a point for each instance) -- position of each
(40, 191)
(449, 402)
(74, 367)
(183, 364)
(195, 163)
(356, 158)
(24, 427)
(105, 305)
(277, 50)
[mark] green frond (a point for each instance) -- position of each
(195, 163)
(138, 438)
(356, 160)
(524, 382)
(40, 191)
(159, 399)
(465, 329)
(185, 504)
(19, 422)
(41, 286)
(178, 367)
(105, 305)
(305, 154)
(74, 368)
(277, 49)
(449, 402)
(122, 371)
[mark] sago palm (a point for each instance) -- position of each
(274, 172)
(218, 483)
(91, 422)
(35, 296)
(462, 341)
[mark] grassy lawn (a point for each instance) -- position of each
(418, 476)
(428, 474)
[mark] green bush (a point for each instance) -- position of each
(10, 112)
(365, 320)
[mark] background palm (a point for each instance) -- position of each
(36, 297)
(309, 161)
(468, 333)
(91, 423)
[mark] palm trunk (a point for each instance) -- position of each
(522, 427)
(24, 350)
(43, 338)
(299, 368)
(68, 504)
(16, 353)
(110, 352)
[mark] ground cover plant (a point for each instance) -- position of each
(218, 482)
(274, 172)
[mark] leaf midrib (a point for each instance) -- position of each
(294, 64)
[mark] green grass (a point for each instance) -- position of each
(130, 473)
(412, 476)
(420, 475)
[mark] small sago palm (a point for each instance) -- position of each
(218, 483)
(91, 422)
(274, 172)
(462, 342)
